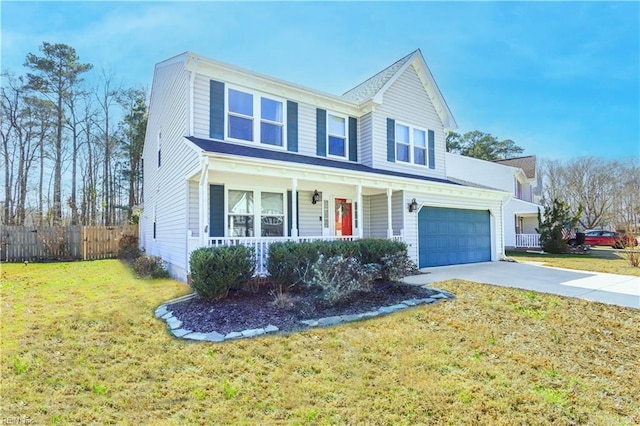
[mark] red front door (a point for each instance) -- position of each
(343, 217)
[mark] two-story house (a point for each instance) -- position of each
(235, 157)
(515, 175)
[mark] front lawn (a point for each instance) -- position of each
(597, 260)
(80, 344)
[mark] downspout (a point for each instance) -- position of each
(204, 179)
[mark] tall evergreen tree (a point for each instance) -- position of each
(56, 75)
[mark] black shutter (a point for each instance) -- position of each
(353, 139)
(321, 132)
(432, 149)
(292, 126)
(391, 139)
(216, 110)
(216, 210)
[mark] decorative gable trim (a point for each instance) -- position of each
(429, 84)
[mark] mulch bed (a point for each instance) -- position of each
(244, 309)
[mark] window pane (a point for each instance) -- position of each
(271, 203)
(240, 128)
(271, 134)
(336, 146)
(419, 156)
(337, 126)
(403, 152)
(419, 138)
(271, 110)
(402, 133)
(240, 226)
(272, 226)
(240, 102)
(241, 202)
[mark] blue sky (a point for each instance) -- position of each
(560, 79)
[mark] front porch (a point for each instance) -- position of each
(261, 245)
(527, 241)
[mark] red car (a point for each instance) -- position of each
(609, 238)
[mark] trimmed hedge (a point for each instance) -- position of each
(290, 263)
(216, 270)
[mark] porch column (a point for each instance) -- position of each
(294, 208)
(203, 187)
(360, 213)
(389, 222)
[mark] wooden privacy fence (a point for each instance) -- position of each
(33, 243)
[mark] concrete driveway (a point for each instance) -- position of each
(621, 290)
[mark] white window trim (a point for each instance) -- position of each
(412, 145)
(256, 119)
(257, 209)
(346, 136)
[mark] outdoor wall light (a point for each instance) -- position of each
(413, 206)
(315, 197)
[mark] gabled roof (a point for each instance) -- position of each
(370, 87)
(526, 163)
(209, 145)
(374, 87)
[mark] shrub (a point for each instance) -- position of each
(557, 217)
(216, 270)
(128, 247)
(394, 267)
(372, 250)
(150, 267)
(339, 277)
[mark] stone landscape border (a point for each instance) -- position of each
(174, 325)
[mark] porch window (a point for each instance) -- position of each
(337, 135)
(271, 123)
(240, 115)
(402, 143)
(241, 214)
(272, 214)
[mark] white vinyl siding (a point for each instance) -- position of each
(397, 211)
(309, 215)
(194, 223)
(365, 147)
(377, 212)
(306, 129)
(165, 187)
(201, 106)
(407, 101)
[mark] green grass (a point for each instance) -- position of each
(597, 260)
(80, 344)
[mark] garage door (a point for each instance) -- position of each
(453, 236)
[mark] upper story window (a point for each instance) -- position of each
(271, 123)
(243, 110)
(240, 115)
(337, 135)
(411, 144)
(159, 148)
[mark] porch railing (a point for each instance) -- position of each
(527, 240)
(261, 246)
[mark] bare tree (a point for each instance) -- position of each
(107, 95)
(604, 188)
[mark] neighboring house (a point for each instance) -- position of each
(235, 157)
(516, 176)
